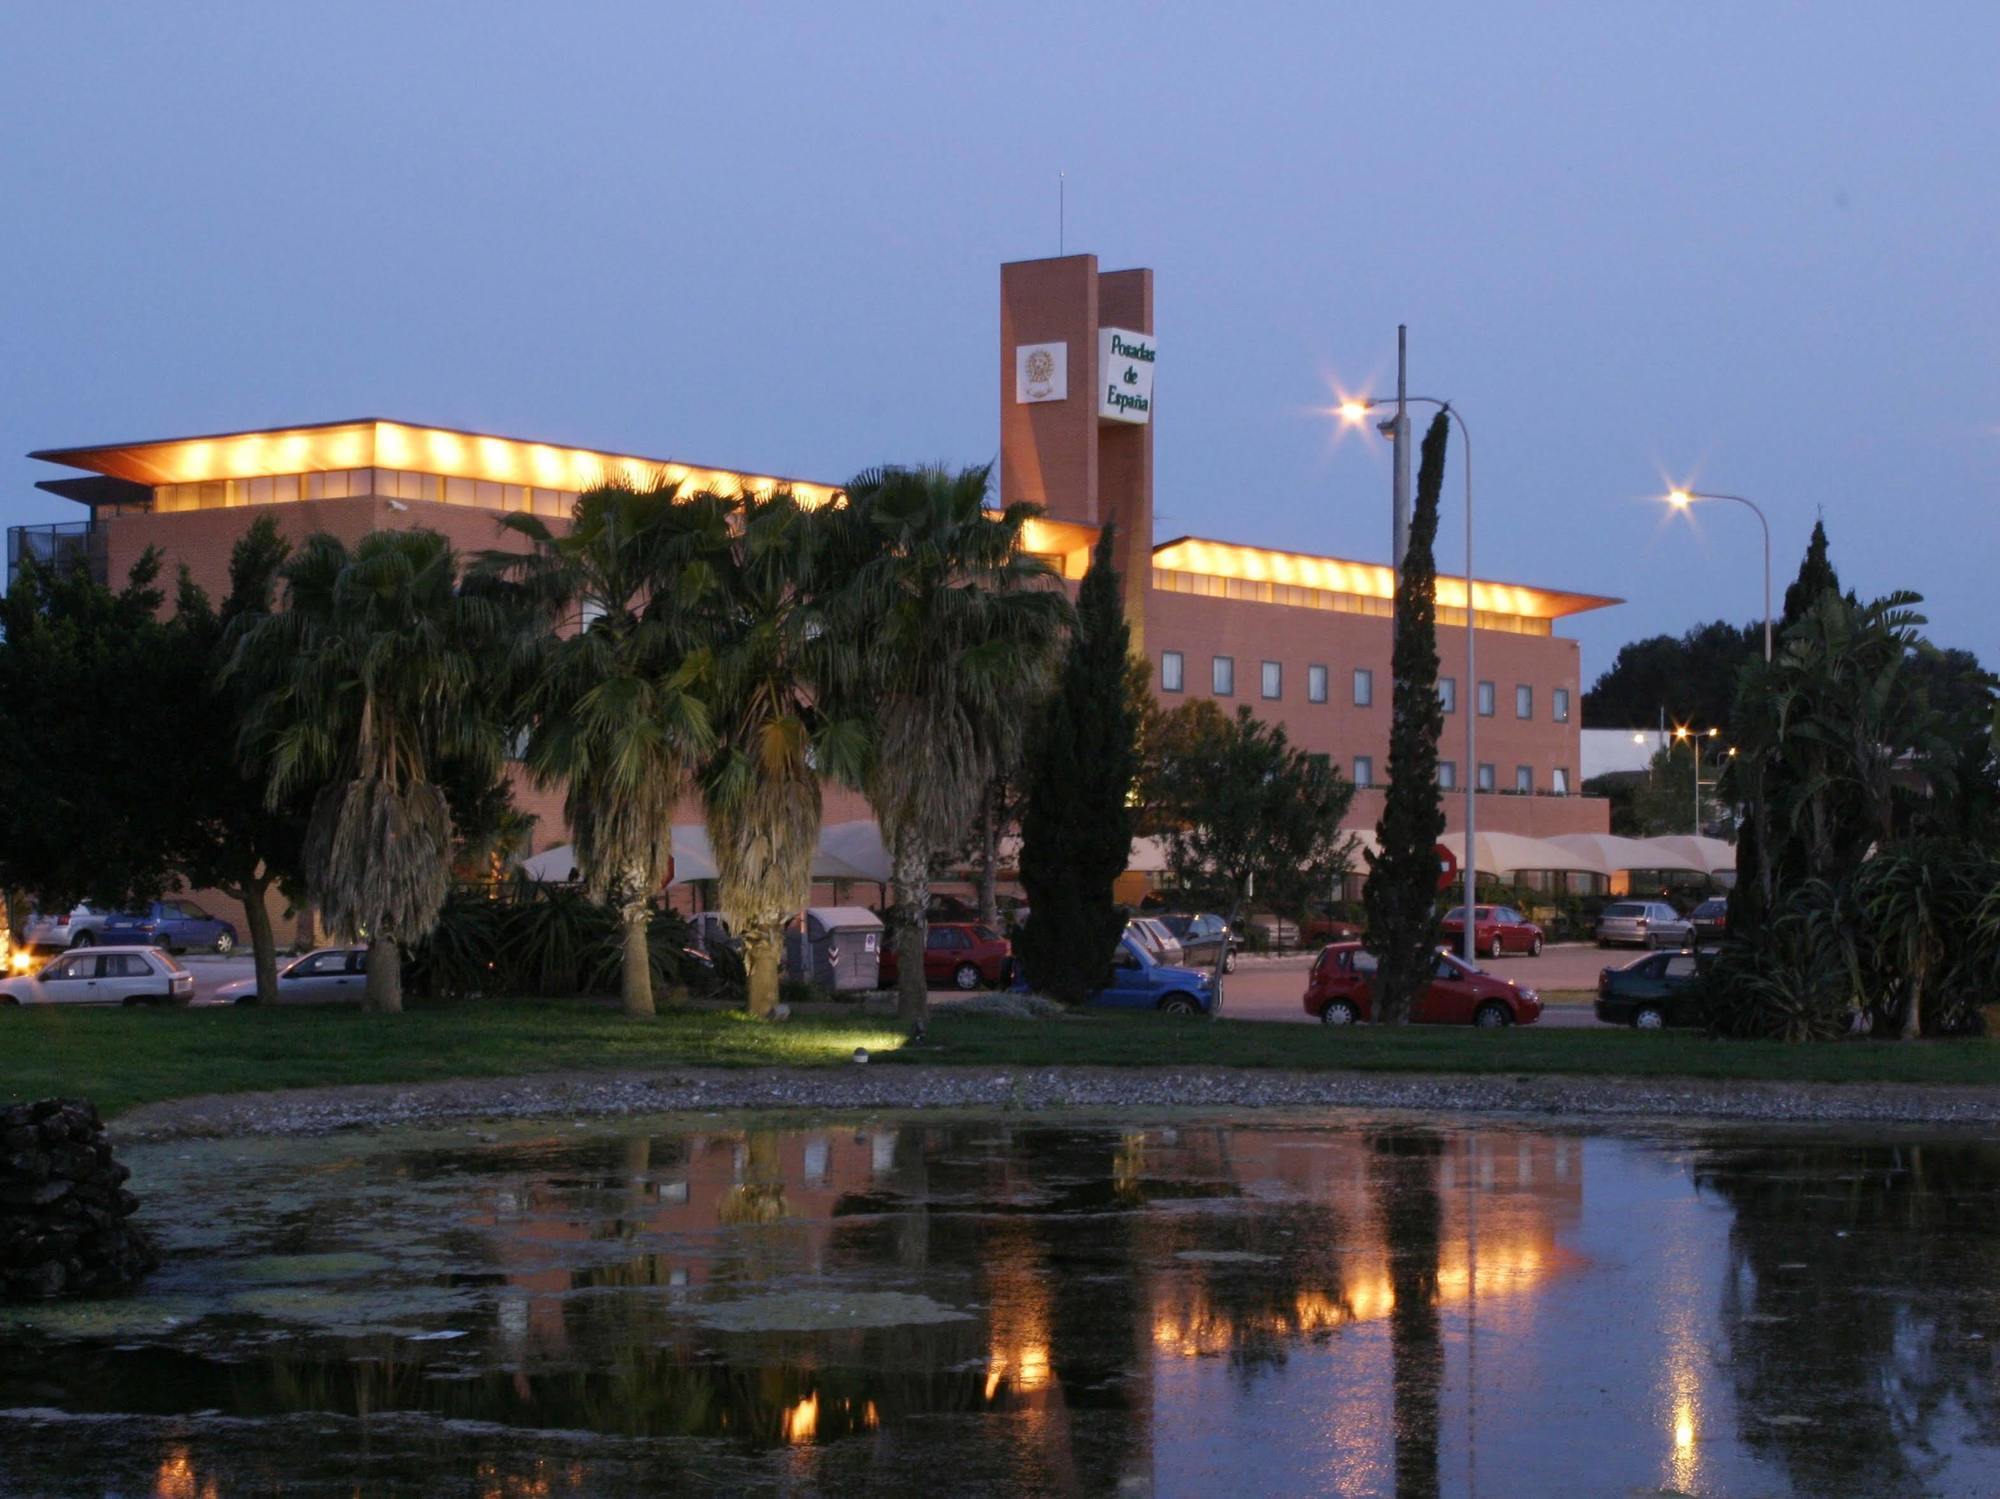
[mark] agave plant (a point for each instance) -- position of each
(372, 680)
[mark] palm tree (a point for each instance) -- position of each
(373, 685)
(957, 630)
(767, 561)
(611, 690)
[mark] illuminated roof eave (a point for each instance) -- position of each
(378, 442)
(1228, 559)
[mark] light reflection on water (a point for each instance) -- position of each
(1361, 1307)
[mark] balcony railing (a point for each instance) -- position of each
(57, 546)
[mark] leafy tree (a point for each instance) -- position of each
(229, 835)
(1240, 805)
(78, 818)
(1076, 832)
(611, 690)
(1401, 892)
(956, 631)
(374, 677)
(1691, 678)
(770, 569)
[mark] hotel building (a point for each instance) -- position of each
(1302, 640)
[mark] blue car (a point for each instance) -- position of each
(1140, 981)
(176, 925)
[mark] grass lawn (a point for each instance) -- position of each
(122, 1058)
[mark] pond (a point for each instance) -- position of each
(1346, 1304)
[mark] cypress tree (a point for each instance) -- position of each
(1401, 893)
(1816, 576)
(1076, 831)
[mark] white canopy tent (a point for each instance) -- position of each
(1709, 855)
(1506, 854)
(1613, 853)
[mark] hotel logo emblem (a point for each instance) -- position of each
(1041, 373)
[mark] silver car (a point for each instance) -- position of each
(1154, 934)
(328, 975)
(103, 976)
(74, 928)
(1643, 923)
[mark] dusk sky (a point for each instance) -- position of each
(1753, 247)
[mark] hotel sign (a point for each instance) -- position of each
(1041, 373)
(1125, 379)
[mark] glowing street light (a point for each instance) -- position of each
(1354, 411)
(1682, 498)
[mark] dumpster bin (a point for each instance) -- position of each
(839, 948)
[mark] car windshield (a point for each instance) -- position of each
(1456, 913)
(1178, 925)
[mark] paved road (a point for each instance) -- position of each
(1272, 988)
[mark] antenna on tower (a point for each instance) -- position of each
(1062, 206)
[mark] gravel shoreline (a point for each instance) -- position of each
(1030, 1089)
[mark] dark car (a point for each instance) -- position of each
(1495, 930)
(1330, 921)
(1651, 992)
(1710, 921)
(176, 925)
(1204, 937)
(963, 954)
(1340, 992)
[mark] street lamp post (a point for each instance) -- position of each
(1353, 411)
(1694, 740)
(1680, 499)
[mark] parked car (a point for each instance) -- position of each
(176, 925)
(963, 954)
(1159, 937)
(1650, 992)
(330, 975)
(1495, 930)
(1140, 981)
(1339, 992)
(1328, 922)
(103, 976)
(1642, 923)
(79, 926)
(711, 930)
(1710, 921)
(1204, 937)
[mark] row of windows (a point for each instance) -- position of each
(352, 483)
(1271, 686)
(1447, 777)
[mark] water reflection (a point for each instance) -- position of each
(1012, 1306)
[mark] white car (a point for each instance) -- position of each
(327, 975)
(103, 976)
(76, 928)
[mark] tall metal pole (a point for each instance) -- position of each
(1697, 786)
(1469, 705)
(1682, 496)
(1399, 508)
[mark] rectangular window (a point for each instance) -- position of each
(1222, 676)
(1485, 699)
(1559, 781)
(1524, 778)
(1559, 705)
(1448, 694)
(1273, 683)
(1364, 687)
(1364, 770)
(458, 491)
(1316, 684)
(1447, 775)
(1172, 678)
(1485, 775)
(1524, 701)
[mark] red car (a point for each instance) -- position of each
(1458, 994)
(1495, 929)
(962, 954)
(1326, 924)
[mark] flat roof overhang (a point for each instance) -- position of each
(1226, 559)
(373, 442)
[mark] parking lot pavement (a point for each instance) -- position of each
(212, 972)
(1273, 988)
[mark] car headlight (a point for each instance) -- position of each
(1531, 996)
